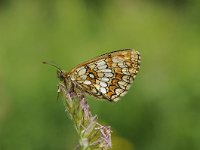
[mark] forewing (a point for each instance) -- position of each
(108, 76)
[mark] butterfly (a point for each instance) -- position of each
(108, 76)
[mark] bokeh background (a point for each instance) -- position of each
(160, 112)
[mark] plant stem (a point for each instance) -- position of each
(92, 134)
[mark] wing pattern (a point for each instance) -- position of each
(108, 76)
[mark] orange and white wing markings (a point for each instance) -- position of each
(108, 76)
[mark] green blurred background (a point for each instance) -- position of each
(160, 112)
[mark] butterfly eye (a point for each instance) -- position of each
(60, 75)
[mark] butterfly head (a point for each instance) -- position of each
(61, 74)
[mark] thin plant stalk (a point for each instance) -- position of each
(92, 135)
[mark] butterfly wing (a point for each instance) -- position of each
(108, 76)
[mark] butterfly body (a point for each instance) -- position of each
(108, 76)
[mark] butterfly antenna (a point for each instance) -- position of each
(52, 64)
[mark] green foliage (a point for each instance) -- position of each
(161, 110)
